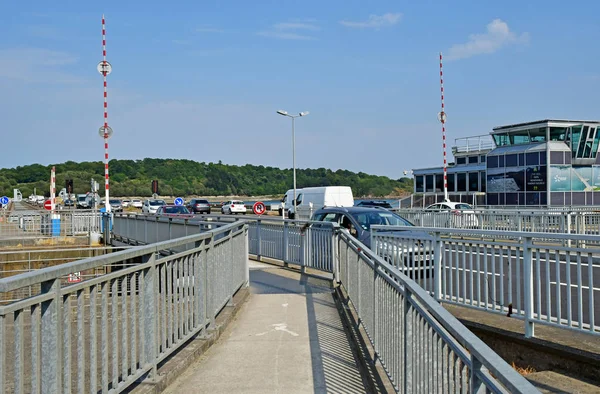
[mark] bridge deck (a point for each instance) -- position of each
(287, 338)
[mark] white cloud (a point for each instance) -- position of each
(288, 31)
(498, 35)
(208, 29)
(37, 65)
(295, 26)
(375, 21)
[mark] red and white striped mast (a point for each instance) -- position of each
(53, 190)
(442, 119)
(105, 131)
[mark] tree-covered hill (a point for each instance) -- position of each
(186, 177)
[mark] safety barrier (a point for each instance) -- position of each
(531, 276)
(105, 333)
(535, 220)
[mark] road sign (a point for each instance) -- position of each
(75, 277)
(4, 200)
(259, 208)
(48, 205)
(178, 201)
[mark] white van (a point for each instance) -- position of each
(310, 199)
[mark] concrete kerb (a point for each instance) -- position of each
(177, 364)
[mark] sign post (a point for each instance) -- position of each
(178, 201)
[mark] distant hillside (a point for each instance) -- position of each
(186, 177)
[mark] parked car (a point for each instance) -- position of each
(125, 203)
(151, 206)
(450, 215)
(115, 205)
(179, 211)
(381, 204)
(358, 221)
(233, 206)
(137, 203)
(68, 203)
(196, 205)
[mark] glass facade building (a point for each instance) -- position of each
(542, 163)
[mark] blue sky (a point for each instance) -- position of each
(202, 80)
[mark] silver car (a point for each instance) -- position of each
(409, 250)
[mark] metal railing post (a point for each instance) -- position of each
(247, 264)
(303, 243)
(51, 331)
(437, 267)
(150, 311)
(528, 279)
(408, 342)
(259, 239)
(286, 232)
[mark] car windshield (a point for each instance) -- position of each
(237, 202)
(81, 198)
(201, 202)
(156, 203)
(463, 206)
(115, 201)
(367, 219)
(176, 209)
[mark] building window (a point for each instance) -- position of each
(473, 159)
(518, 138)
(511, 160)
(533, 159)
(419, 186)
(461, 180)
(473, 181)
(429, 183)
(558, 133)
(492, 162)
(482, 181)
(461, 160)
(451, 183)
(439, 182)
(538, 135)
(501, 161)
(482, 159)
(501, 139)
(557, 158)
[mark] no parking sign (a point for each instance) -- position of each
(259, 208)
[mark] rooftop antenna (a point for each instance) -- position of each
(105, 132)
(442, 119)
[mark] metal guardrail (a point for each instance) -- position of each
(530, 276)
(422, 347)
(540, 221)
(38, 224)
(105, 333)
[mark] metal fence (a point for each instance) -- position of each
(530, 276)
(422, 347)
(105, 333)
(25, 224)
(541, 221)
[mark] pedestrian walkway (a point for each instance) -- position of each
(288, 338)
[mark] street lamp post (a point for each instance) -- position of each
(284, 113)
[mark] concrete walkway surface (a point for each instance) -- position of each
(288, 338)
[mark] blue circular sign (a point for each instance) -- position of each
(4, 200)
(179, 201)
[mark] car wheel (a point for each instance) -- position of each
(280, 212)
